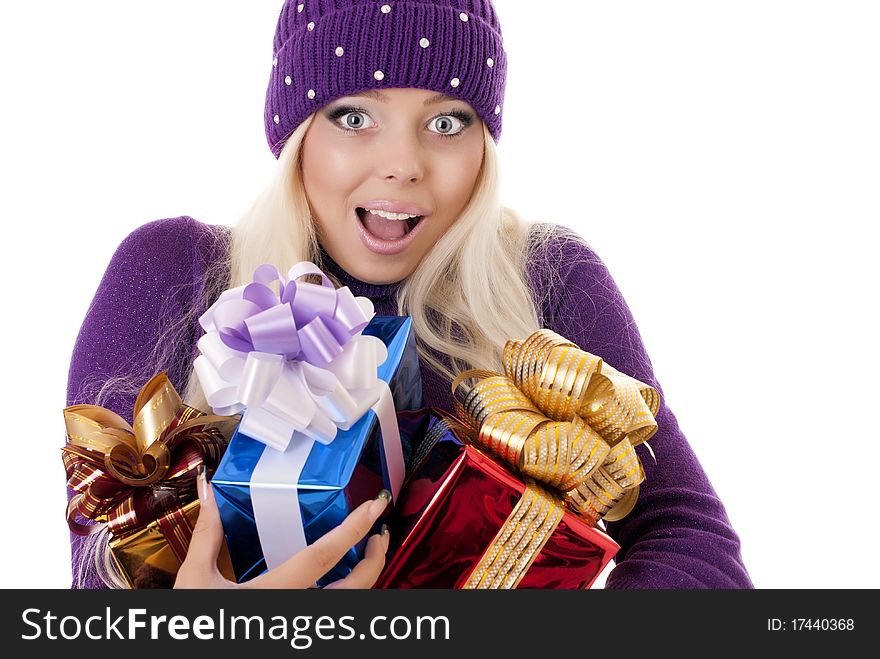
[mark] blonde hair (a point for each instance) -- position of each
(467, 297)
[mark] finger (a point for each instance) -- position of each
(367, 571)
(307, 566)
(207, 537)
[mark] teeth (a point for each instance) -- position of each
(391, 216)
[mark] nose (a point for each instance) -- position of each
(401, 157)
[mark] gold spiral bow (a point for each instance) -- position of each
(564, 417)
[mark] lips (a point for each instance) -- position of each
(393, 242)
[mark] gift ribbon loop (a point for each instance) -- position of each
(127, 475)
(262, 350)
(565, 418)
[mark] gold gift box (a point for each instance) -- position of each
(146, 561)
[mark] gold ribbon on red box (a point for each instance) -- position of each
(131, 475)
(565, 418)
(569, 423)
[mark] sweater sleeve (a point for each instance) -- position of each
(145, 282)
(678, 535)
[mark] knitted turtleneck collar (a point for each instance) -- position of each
(358, 287)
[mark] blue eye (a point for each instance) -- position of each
(460, 117)
(350, 113)
(352, 123)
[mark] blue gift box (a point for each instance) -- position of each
(336, 477)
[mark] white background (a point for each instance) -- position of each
(722, 158)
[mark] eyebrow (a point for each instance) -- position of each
(384, 98)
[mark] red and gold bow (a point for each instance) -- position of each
(565, 418)
(131, 475)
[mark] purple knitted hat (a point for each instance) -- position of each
(325, 49)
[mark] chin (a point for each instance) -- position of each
(384, 273)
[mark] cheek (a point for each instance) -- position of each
(325, 156)
(328, 179)
(324, 169)
(463, 174)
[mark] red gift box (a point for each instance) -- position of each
(465, 521)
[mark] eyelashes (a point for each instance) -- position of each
(466, 118)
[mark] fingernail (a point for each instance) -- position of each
(384, 530)
(386, 536)
(201, 483)
(380, 502)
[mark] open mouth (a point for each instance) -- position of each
(385, 228)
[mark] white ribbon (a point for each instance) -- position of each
(277, 511)
(275, 493)
(280, 397)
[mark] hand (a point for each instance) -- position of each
(303, 569)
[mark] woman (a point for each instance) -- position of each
(384, 119)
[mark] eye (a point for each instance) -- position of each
(353, 119)
(446, 123)
(449, 125)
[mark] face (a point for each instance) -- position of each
(400, 150)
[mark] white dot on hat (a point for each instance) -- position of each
(463, 17)
(288, 80)
(311, 93)
(275, 62)
(340, 51)
(299, 7)
(310, 26)
(424, 43)
(378, 75)
(497, 109)
(386, 9)
(455, 82)
(276, 119)
(490, 62)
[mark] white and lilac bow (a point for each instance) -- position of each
(293, 361)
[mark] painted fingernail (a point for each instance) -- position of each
(201, 483)
(380, 502)
(384, 530)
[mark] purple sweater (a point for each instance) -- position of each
(677, 536)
